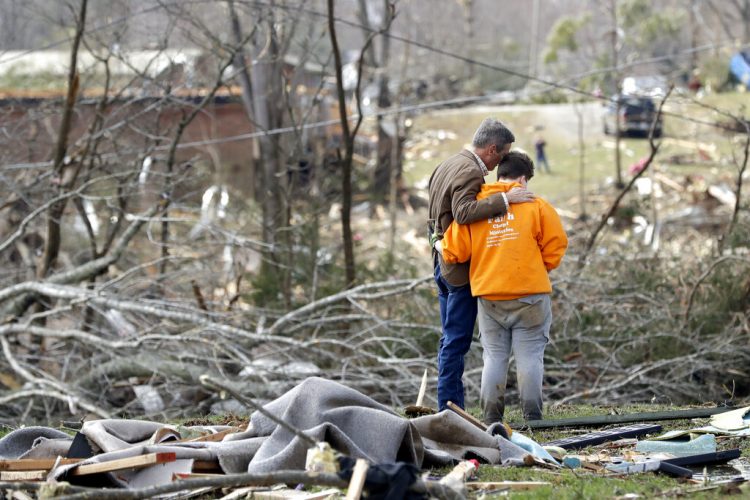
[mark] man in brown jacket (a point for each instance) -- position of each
(453, 196)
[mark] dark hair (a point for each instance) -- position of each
(492, 131)
(514, 165)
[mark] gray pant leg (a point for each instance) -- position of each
(496, 346)
(530, 336)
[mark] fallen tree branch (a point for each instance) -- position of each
(62, 393)
(358, 292)
(81, 273)
(432, 488)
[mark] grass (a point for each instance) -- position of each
(559, 126)
(575, 484)
(582, 484)
(562, 152)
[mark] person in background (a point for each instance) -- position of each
(541, 155)
(453, 190)
(510, 259)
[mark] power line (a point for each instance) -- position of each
(477, 62)
(402, 39)
(354, 24)
(276, 131)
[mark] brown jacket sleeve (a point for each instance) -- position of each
(465, 206)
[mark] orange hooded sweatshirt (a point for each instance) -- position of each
(510, 255)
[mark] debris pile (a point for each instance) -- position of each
(327, 435)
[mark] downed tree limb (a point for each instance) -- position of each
(81, 273)
(359, 292)
(59, 291)
(432, 488)
(59, 390)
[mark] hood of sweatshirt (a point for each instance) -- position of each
(496, 187)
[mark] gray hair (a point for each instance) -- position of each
(490, 132)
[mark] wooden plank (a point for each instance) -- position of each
(466, 416)
(35, 463)
(357, 482)
(620, 419)
(507, 485)
(422, 390)
(25, 475)
(138, 462)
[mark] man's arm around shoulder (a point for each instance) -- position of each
(467, 209)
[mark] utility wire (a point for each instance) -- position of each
(551, 84)
(276, 131)
(432, 48)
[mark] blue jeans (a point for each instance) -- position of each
(458, 312)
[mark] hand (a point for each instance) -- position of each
(520, 195)
(439, 247)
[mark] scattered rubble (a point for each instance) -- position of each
(306, 438)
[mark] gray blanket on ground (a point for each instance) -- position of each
(349, 421)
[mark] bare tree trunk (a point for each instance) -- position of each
(346, 161)
(382, 175)
(693, 35)
(267, 88)
(65, 173)
(742, 167)
(469, 35)
(618, 89)
(348, 134)
(245, 84)
(364, 19)
(534, 43)
(393, 192)
(581, 162)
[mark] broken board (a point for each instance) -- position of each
(136, 462)
(24, 464)
(599, 437)
(717, 458)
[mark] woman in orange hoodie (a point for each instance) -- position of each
(511, 257)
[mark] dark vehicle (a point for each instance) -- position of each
(636, 116)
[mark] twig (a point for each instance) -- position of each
(615, 204)
(214, 384)
(702, 278)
